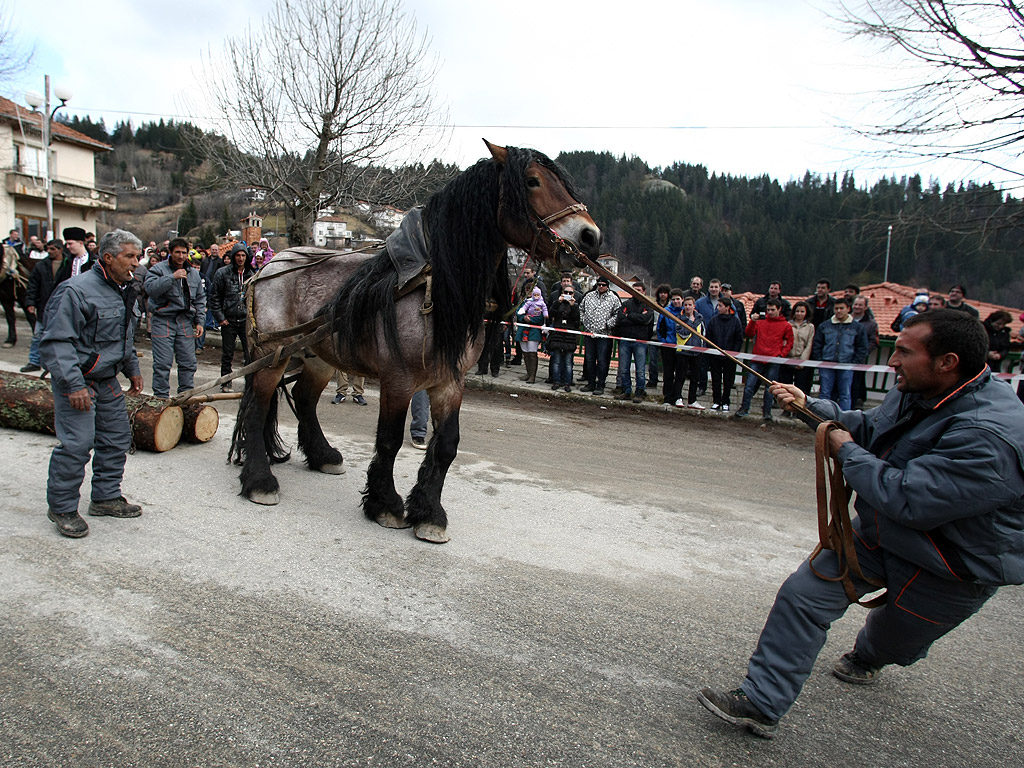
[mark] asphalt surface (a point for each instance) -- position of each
(605, 563)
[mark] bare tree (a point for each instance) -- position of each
(316, 100)
(14, 59)
(963, 76)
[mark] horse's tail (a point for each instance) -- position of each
(249, 422)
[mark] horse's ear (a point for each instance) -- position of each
(500, 154)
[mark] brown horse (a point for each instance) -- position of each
(14, 274)
(423, 339)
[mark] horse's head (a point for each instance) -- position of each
(539, 211)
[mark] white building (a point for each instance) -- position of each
(76, 198)
(384, 217)
(331, 232)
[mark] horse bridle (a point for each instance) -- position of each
(542, 228)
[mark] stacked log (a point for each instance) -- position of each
(156, 426)
(201, 422)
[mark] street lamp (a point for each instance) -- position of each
(888, 245)
(35, 101)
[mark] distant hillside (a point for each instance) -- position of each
(680, 221)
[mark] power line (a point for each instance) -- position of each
(499, 126)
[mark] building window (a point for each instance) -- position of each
(29, 160)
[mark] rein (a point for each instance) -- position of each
(835, 529)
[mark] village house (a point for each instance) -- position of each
(76, 199)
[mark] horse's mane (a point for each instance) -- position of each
(464, 243)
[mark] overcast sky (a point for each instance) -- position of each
(745, 87)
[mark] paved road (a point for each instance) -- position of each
(604, 564)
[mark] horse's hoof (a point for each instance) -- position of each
(388, 520)
(332, 469)
(432, 533)
(265, 498)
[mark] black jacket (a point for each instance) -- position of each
(635, 320)
(565, 316)
(41, 283)
(227, 301)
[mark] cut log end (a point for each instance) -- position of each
(201, 422)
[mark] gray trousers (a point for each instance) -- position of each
(921, 608)
(172, 339)
(104, 431)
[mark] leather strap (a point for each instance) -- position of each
(835, 529)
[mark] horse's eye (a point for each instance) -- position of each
(533, 181)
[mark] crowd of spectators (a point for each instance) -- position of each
(826, 331)
(652, 349)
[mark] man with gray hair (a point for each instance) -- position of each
(87, 342)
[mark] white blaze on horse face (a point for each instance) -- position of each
(579, 229)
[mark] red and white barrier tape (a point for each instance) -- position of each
(744, 355)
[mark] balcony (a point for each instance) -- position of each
(64, 192)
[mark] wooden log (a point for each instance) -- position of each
(201, 422)
(156, 426)
(26, 402)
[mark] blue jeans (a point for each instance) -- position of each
(420, 414)
(33, 349)
(769, 371)
(561, 366)
(836, 386)
(630, 351)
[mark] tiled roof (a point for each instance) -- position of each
(11, 112)
(887, 299)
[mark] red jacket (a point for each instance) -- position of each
(774, 336)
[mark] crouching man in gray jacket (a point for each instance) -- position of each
(87, 342)
(938, 469)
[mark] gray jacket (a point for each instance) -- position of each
(88, 334)
(940, 483)
(165, 297)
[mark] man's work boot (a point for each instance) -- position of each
(734, 707)
(71, 525)
(851, 668)
(118, 507)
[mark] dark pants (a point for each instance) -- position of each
(491, 354)
(235, 329)
(801, 377)
(859, 388)
(599, 354)
(723, 375)
(668, 373)
(921, 608)
(653, 366)
(687, 367)
(703, 366)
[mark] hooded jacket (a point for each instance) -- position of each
(774, 336)
(940, 482)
